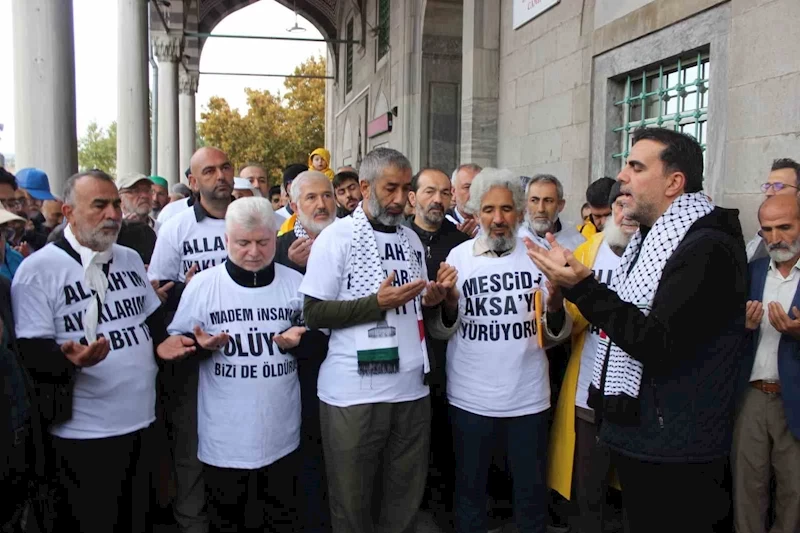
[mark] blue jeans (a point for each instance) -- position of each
(473, 439)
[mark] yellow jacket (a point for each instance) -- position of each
(587, 229)
(288, 225)
(324, 154)
(561, 454)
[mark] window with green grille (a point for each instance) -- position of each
(348, 75)
(383, 27)
(671, 95)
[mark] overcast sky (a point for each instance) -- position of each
(98, 101)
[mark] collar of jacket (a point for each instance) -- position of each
(246, 278)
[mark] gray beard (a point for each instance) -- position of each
(781, 255)
(311, 225)
(539, 227)
(379, 213)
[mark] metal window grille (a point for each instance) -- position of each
(383, 27)
(348, 79)
(669, 96)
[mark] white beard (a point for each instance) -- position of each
(614, 236)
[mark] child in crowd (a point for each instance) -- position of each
(320, 160)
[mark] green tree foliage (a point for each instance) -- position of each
(276, 130)
(98, 148)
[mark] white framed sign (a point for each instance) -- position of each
(527, 10)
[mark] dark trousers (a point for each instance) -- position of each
(105, 483)
(474, 437)
(264, 499)
(590, 476)
(670, 497)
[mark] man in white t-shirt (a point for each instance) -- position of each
(577, 464)
(176, 206)
(82, 308)
(545, 202)
(191, 241)
(240, 320)
(364, 280)
(497, 370)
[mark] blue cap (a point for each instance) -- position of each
(35, 182)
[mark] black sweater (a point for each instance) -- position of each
(688, 344)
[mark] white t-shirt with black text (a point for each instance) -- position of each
(117, 395)
(248, 397)
(183, 241)
(604, 265)
(172, 209)
(327, 278)
(495, 366)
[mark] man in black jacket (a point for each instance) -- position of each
(666, 381)
(431, 195)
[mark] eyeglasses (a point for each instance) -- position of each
(777, 186)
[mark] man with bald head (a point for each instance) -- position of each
(767, 434)
(188, 242)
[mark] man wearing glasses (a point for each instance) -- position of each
(784, 178)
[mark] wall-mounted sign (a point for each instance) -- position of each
(382, 124)
(527, 10)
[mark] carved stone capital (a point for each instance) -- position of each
(167, 48)
(187, 82)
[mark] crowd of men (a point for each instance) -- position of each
(331, 354)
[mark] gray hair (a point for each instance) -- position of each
(181, 188)
(69, 185)
(488, 179)
(250, 213)
(307, 177)
(466, 166)
(378, 159)
(547, 178)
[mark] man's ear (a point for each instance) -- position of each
(561, 204)
(676, 184)
(293, 205)
(412, 198)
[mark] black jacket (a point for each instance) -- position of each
(438, 245)
(282, 252)
(689, 344)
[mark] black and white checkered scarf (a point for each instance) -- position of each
(624, 374)
(299, 230)
(367, 265)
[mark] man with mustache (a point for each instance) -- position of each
(84, 315)
(497, 376)
(577, 465)
(783, 179)
(664, 377)
(364, 281)
(545, 202)
(432, 195)
(312, 200)
(767, 434)
(138, 226)
(190, 241)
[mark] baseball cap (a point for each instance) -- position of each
(8, 216)
(243, 184)
(35, 182)
(129, 180)
(158, 180)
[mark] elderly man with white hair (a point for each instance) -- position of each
(241, 319)
(497, 371)
(312, 198)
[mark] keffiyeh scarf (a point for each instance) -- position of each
(299, 230)
(638, 285)
(95, 279)
(382, 354)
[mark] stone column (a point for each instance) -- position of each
(187, 87)
(44, 88)
(480, 82)
(167, 49)
(133, 114)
